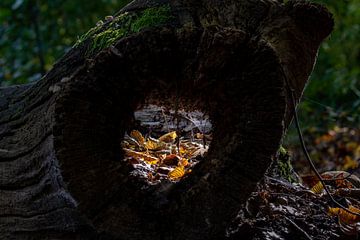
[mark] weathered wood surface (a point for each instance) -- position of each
(61, 174)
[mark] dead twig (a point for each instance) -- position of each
(302, 231)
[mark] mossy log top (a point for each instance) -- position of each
(61, 174)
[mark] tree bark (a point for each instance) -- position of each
(61, 169)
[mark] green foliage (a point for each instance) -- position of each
(34, 33)
(335, 81)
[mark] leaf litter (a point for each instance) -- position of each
(171, 155)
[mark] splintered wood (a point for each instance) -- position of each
(165, 158)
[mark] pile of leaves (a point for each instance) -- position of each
(279, 210)
(168, 157)
(344, 187)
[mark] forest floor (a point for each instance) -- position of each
(296, 206)
(289, 203)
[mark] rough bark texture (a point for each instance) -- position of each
(61, 169)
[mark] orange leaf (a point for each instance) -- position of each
(169, 137)
(177, 173)
(137, 136)
(344, 216)
(183, 162)
(138, 155)
(152, 144)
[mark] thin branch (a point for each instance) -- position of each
(298, 228)
(303, 146)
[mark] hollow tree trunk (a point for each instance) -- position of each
(61, 169)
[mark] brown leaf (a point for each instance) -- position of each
(171, 160)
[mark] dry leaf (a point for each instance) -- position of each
(344, 216)
(154, 145)
(351, 146)
(171, 159)
(166, 160)
(357, 152)
(317, 188)
(312, 180)
(183, 162)
(168, 137)
(147, 158)
(350, 163)
(177, 173)
(324, 138)
(199, 135)
(137, 136)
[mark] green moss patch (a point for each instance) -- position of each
(284, 165)
(106, 38)
(151, 17)
(85, 36)
(123, 25)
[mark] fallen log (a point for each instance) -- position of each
(62, 174)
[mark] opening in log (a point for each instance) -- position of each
(62, 170)
(169, 144)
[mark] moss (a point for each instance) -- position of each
(124, 25)
(85, 36)
(106, 38)
(151, 17)
(284, 165)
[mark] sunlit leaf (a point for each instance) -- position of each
(137, 136)
(139, 155)
(317, 188)
(177, 173)
(153, 144)
(344, 216)
(183, 162)
(169, 137)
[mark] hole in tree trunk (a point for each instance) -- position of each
(163, 145)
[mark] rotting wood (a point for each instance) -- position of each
(61, 171)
